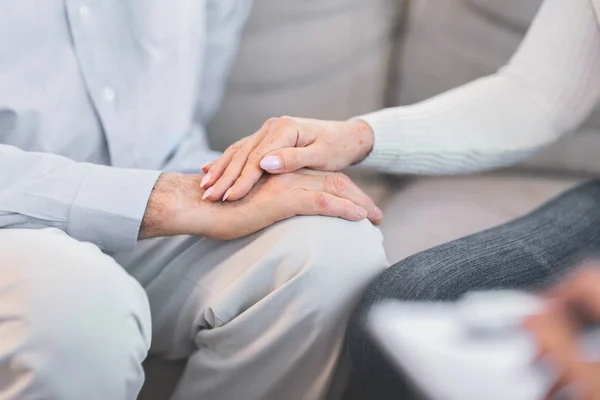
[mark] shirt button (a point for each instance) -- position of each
(109, 94)
(84, 12)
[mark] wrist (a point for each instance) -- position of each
(171, 198)
(364, 138)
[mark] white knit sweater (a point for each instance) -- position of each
(550, 85)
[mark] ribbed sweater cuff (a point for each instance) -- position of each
(386, 153)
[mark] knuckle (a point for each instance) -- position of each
(229, 154)
(286, 119)
(286, 122)
(344, 178)
(322, 200)
(242, 152)
(337, 182)
(271, 121)
(237, 145)
(237, 159)
(246, 147)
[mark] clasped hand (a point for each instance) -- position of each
(285, 145)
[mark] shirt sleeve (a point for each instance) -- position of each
(548, 88)
(94, 203)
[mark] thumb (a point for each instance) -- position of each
(288, 160)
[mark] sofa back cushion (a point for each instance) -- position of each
(321, 59)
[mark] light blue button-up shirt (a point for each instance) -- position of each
(97, 97)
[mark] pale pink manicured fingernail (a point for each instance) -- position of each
(227, 194)
(205, 179)
(361, 212)
(205, 165)
(271, 163)
(208, 192)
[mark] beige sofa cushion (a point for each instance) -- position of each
(513, 14)
(451, 42)
(424, 212)
(323, 59)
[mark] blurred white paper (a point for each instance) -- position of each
(472, 349)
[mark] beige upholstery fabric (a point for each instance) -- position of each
(513, 14)
(322, 59)
(425, 212)
(449, 43)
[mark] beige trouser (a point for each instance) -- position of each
(258, 318)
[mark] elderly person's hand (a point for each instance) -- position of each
(284, 145)
(176, 207)
(570, 306)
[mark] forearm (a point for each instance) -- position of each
(547, 89)
(485, 124)
(173, 197)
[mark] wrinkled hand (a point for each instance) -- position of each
(176, 206)
(570, 306)
(284, 145)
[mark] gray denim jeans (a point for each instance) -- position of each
(529, 253)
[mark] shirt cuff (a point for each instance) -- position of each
(109, 206)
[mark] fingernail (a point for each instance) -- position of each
(205, 179)
(271, 163)
(208, 192)
(361, 212)
(205, 165)
(227, 193)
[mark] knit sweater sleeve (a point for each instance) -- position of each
(549, 86)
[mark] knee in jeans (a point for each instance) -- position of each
(426, 276)
(76, 320)
(413, 279)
